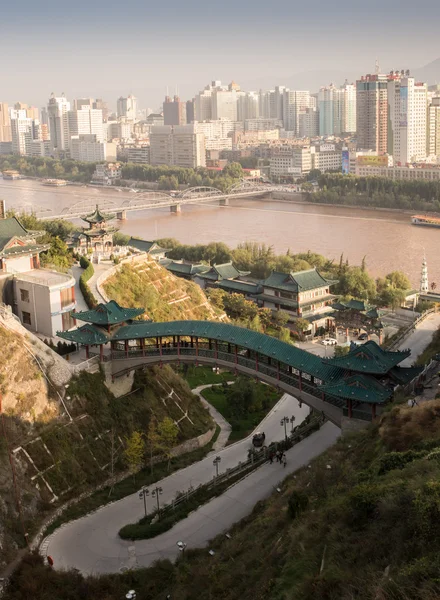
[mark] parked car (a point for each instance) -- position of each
(363, 336)
(329, 342)
(259, 439)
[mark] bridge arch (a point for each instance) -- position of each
(246, 185)
(201, 190)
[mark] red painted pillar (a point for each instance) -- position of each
(350, 410)
(373, 411)
(101, 353)
(126, 348)
(87, 352)
(300, 382)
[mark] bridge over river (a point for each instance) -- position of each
(152, 199)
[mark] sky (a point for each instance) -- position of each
(106, 49)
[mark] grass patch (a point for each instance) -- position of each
(202, 375)
(130, 485)
(241, 426)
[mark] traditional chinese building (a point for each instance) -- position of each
(102, 323)
(19, 249)
(304, 294)
(218, 273)
(358, 314)
(98, 237)
(151, 248)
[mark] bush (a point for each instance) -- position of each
(397, 460)
(88, 273)
(297, 503)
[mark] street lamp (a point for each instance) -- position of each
(181, 546)
(156, 493)
(143, 493)
(216, 462)
(284, 422)
(292, 421)
(131, 595)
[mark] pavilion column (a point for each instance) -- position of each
(160, 350)
(87, 351)
(216, 349)
(178, 345)
(373, 411)
(236, 354)
(349, 408)
(157, 342)
(126, 348)
(323, 396)
(192, 342)
(210, 343)
(143, 346)
(229, 348)
(101, 353)
(256, 361)
(300, 381)
(269, 361)
(380, 337)
(197, 349)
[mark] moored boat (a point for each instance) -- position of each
(10, 174)
(55, 182)
(425, 220)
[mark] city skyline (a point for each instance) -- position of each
(85, 50)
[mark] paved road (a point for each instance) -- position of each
(80, 302)
(225, 427)
(91, 544)
(420, 338)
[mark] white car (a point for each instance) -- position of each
(329, 342)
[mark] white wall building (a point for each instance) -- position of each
(224, 104)
(22, 132)
(433, 128)
(127, 107)
(86, 148)
(326, 158)
(294, 161)
(84, 121)
(180, 145)
(248, 106)
(308, 123)
(348, 108)
(407, 117)
(294, 102)
(262, 124)
(57, 109)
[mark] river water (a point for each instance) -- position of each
(386, 238)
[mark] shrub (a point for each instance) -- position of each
(297, 503)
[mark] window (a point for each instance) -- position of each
(24, 295)
(67, 297)
(26, 318)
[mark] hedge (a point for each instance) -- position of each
(88, 273)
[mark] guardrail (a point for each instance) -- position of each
(86, 364)
(410, 328)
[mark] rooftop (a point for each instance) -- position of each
(224, 271)
(97, 217)
(46, 278)
(301, 281)
(87, 335)
(108, 314)
(145, 246)
(12, 228)
(360, 388)
(369, 358)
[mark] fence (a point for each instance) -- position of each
(410, 328)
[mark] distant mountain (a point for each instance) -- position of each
(430, 73)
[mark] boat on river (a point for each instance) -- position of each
(55, 182)
(10, 174)
(425, 220)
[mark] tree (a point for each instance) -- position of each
(301, 325)
(234, 170)
(281, 318)
(237, 307)
(216, 297)
(341, 350)
(265, 315)
(244, 397)
(356, 283)
(168, 432)
(398, 280)
(120, 239)
(284, 335)
(153, 441)
(134, 452)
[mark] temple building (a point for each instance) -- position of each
(218, 273)
(358, 314)
(304, 294)
(151, 248)
(97, 238)
(19, 249)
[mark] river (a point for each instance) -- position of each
(386, 238)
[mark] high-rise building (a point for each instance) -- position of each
(294, 102)
(224, 104)
(31, 111)
(174, 111)
(78, 103)
(407, 116)
(433, 128)
(127, 107)
(86, 120)
(308, 123)
(22, 132)
(57, 109)
(180, 145)
(372, 113)
(5, 123)
(100, 104)
(190, 111)
(87, 148)
(330, 104)
(348, 108)
(248, 105)
(203, 105)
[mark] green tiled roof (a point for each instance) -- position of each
(404, 375)
(360, 388)
(245, 338)
(224, 271)
(300, 281)
(369, 358)
(97, 217)
(353, 304)
(108, 314)
(278, 300)
(87, 335)
(373, 313)
(181, 268)
(244, 287)
(145, 246)
(17, 250)
(12, 228)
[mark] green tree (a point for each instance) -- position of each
(237, 307)
(216, 297)
(120, 239)
(234, 170)
(280, 318)
(357, 283)
(265, 315)
(301, 325)
(244, 397)
(284, 335)
(134, 452)
(341, 350)
(398, 280)
(168, 432)
(153, 443)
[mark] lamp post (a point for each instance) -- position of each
(216, 462)
(143, 493)
(181, 546)
(292, 421)
(131, 595)
(284, 422)
(156, 493)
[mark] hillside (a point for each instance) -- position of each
(54, 458)
(362, 521)
(163, 295)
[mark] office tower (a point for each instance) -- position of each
(224, 104)
(330, 105)
(100, 104)
(294, 102)
(203, 105)
(190, 111)
(433, 128)
(87, 148)
(22, 132)
(308, 123)
(57, 109)
(86, 121)
(248, 106)
(5, 123)
(127, 107)
(407, 116)
(174, 111)
(180, 145)
(78, 103)
(372, 113)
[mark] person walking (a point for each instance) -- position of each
(284, 461)
(271, 458)
(278, 456)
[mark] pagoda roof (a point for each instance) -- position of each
(359, 387)
(181, 268)
(97, 216)
(246, 287)
(300, 281)
(369, 358)
(146, 246)
(14, 235)
(108, 314)
(403, 375)
(223, 271)
(88, 335)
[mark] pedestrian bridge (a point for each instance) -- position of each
(256, 355)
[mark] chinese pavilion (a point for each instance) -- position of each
(358, 314)
(99, 235)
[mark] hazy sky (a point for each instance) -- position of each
(105, 49)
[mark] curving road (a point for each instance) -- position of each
(420, 338)
(91, 544)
